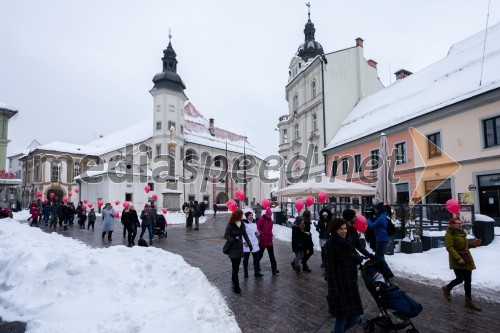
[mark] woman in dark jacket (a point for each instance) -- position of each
(308, 242)
(460, 260)
(341, 259)
(130, 222)
(298, 242)
(325, 217)
(235, 233)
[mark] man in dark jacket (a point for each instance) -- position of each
(55, 211)
(197, 214)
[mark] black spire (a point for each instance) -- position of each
(310, 48)
(169, 78)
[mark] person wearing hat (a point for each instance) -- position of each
(265, 228)
(460, 260)
(253, 235)
(325, 217)
(298, 240)
(379, 224)
(350, 216)
(92, 218)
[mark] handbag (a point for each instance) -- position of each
(465, 255)
(227, 247)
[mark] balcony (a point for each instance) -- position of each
(283, 118)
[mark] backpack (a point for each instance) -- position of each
(391, 228)
(142, 242)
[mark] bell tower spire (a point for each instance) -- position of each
(169, 78)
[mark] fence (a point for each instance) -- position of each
(420, 217)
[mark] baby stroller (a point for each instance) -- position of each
(160, 227)
(396, 307)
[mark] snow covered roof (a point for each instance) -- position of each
(448, 81)
(6, 107)
(27, 148)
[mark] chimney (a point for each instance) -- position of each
(359, 41)
(402, 73)
(372, 63)
(211, 128)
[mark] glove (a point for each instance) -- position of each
(476, 242)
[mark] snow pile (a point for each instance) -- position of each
(57, 284)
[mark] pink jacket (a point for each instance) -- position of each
(35, 212)
(265, 227)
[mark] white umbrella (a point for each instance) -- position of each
(326, 184)
(386, 190)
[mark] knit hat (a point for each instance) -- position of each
(454, 220)
(248, 213)
(380, 207)
(348, 214)
(298, 220)
(269, 211)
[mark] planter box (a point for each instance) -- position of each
(412, 247)
(432, 242)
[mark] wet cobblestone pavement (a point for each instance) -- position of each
(294, 302)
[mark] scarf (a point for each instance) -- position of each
(343, 243)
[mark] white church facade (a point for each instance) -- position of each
(176, 153)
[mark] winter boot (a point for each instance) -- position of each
(297, 268)
(305, 268)
(446, 293)
(470, 304)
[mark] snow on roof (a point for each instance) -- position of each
(70, 148)
(27, 148)
(6, 107)
(448, 81)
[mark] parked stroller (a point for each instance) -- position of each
(396, 307)
(160, 228)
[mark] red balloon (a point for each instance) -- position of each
(309, 201)
(360, 224)
(117, 215)
(84, 207)
(154, 196)
(85, 201)
(322, 197)
(147, 189)
(70, 194)
(299, 204)
(164, 211)
(239, 194)
(117, 202)
(266, 203)
(76, 190)
(99, 203)
(126, 204)
(90, 205)
(453, 206)
(52, 195)
(65, 199)
(46, 201)
(39, 194)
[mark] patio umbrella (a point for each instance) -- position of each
(386, 190)
(326, 184)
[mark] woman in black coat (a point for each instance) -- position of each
(235, 234)
(341, 259)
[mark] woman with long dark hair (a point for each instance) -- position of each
(236, 235)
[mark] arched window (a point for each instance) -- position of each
(313, 89)
(190, 155)
(219, 161)
(295, 103)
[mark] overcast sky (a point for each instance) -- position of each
(78, 69)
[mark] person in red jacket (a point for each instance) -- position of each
(265, 228)
(35, 213)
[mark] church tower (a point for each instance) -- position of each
(168, 117)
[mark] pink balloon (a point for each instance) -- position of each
(99, 203)
(147, 189)
(231, 205)
(299, 204)
(52, 195)
(39, 194)
(322, 197)
(65, 199)
(126, 204)
(154, 196)
(76, 190)
(164, 211)
(453, 206)
(117, 202)
(84, 207)
(90, 205)
(360, 224)
(117, 215)
(46, 201)
(266, 203)
(239, 194)
(309, 201)
(70, 194)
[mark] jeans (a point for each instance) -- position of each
(343, 324)
(462, 275)
(380, 254)
(270, 250)
(256, 262)
(298, 257)
(150, 230)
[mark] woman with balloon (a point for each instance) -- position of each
(265, 228)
